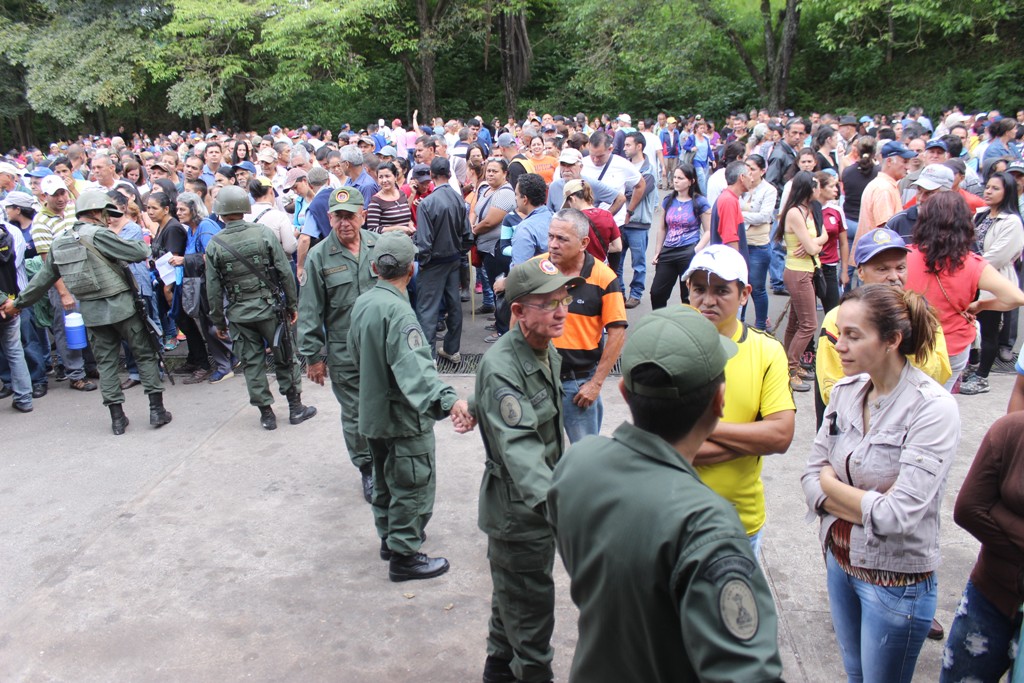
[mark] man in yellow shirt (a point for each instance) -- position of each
(881, 257)
(759, 413)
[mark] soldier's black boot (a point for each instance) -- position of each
(118, 420)
(158, 415)
(298, 413)
(498, 670)
(267, 418)
(415, 566)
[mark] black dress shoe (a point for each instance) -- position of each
(367, 480)
(6, 390)
(129, 383)
(416, 566)
(39, 390)
(483, 309)
(498, 670)
(935, 632)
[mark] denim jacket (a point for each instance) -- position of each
(902, 462)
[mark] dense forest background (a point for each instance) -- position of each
(72, 66)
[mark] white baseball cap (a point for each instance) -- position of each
(722, 260)
(52, 184)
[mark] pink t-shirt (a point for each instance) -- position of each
(961, 288)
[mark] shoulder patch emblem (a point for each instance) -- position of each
(511, 410)
(413, 336)
(738, 609)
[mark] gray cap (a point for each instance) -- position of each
(20, 199)
(935, 177)
(387, 151)
(506, 140)
(317, 176)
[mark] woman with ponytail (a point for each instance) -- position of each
(856, 177)
(875, 479)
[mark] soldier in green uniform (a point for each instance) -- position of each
(338, 270)
(518, 404)
(88, 256)
(660, 566)
(400, 398)
(248, 284)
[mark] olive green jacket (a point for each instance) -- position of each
(248, 298)
(335, 277)
(661, 568)
(110, 299)
(518, 406)
(400, 392)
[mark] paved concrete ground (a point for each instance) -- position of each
(212, 550)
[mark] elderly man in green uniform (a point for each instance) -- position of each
(246, 264)
(667, 586)
(400, 398)
(338, 270)
(89, 257)
(518, 403)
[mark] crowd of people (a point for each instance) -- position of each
(353, 255)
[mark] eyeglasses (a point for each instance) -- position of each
(552, 305)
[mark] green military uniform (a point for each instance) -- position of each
(335, 277)
(660, 567)
(400, 398)
(105, 300)
(518, 406)
(250, 310)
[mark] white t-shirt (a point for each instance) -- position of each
(716, 184)
(621, 175)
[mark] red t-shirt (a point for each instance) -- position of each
(603, 222)
(730, 217)
(960, 287)
(833, 220)
(974, 202)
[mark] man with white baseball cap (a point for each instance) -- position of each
(570, 167)
(760, 414)
(10, 180)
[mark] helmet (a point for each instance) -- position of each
(231, 200)
(96, 200)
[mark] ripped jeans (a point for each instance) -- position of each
(982, 641)
(880, 630)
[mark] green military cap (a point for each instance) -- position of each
(346, 199)
(394, 243)
(537, 276)
(684, 344)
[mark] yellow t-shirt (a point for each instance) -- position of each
(756, 385)
(828, 369)
(803, 264)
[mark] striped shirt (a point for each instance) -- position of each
(384, 213)
(45, 227)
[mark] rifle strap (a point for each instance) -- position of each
(274, 289)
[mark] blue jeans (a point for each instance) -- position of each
(634, 240)
(759, 259)
(579, 422)
(851, 237)
(979, 641)
(755, 542)
(485, 285)
(36, 347)
(880, 630)
(10, 344)
(778, 264)
(702, 178)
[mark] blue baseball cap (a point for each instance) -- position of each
(875, 242)
(39, 172)
(937, 143)
(896, 149)
(246, 166)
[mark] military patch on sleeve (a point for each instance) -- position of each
(509, 406)
(738, 609)
(413, 336)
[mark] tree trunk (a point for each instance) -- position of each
(781, 60)
(428, 86)
(892, 34)
(516, 55)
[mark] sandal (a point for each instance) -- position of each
(170, 345)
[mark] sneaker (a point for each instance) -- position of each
(780, 291)
(197, 377)
(484, 309)
(479, 289)
(186, 369)
(632, 302)
(82, 385)
(796, 383)
(973, 386)
(23, 407)
(491, 338)
(1006, 354)
(60, 374)
(490, 328)
(220, 376)
(807, 360)
(455, 358)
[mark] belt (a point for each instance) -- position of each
(578, 373)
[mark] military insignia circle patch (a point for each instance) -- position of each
(413, 337)
(548, 267)
(738, 609)
(511, 410)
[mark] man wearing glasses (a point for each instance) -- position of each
(518, 408)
